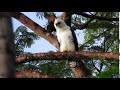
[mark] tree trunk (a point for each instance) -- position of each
(7, 52)
(81, 71)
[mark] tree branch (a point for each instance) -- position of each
(95, 66)
(50, 17)
(93, 25)
(93, 39)
(96, 17)
(88, 22)
(36, 28)
(31, 74)
(76, 55)
(80, 70)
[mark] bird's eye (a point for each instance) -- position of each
(58, 23)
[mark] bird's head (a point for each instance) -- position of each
(59, 23)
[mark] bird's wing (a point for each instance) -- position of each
(75, 40)
(71, 38)
(59, 40)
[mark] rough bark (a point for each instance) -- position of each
(31, 74)
(81, 71)
(7, 49)
(36, 28)
(76, 55)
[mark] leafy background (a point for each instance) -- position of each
(100, 36)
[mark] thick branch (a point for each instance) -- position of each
(36, 28)
(96, 17)
(49, 17)
(76, 55)
(31, 74)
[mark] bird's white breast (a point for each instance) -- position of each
(66, 40)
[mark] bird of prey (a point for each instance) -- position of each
(66, 38)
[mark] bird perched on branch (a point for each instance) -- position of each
(66, 37)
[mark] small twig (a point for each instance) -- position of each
(96, 17)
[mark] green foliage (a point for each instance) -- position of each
(57, 69)
(102, 39)
(112, 72)
(23, 39)
(108, 42)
